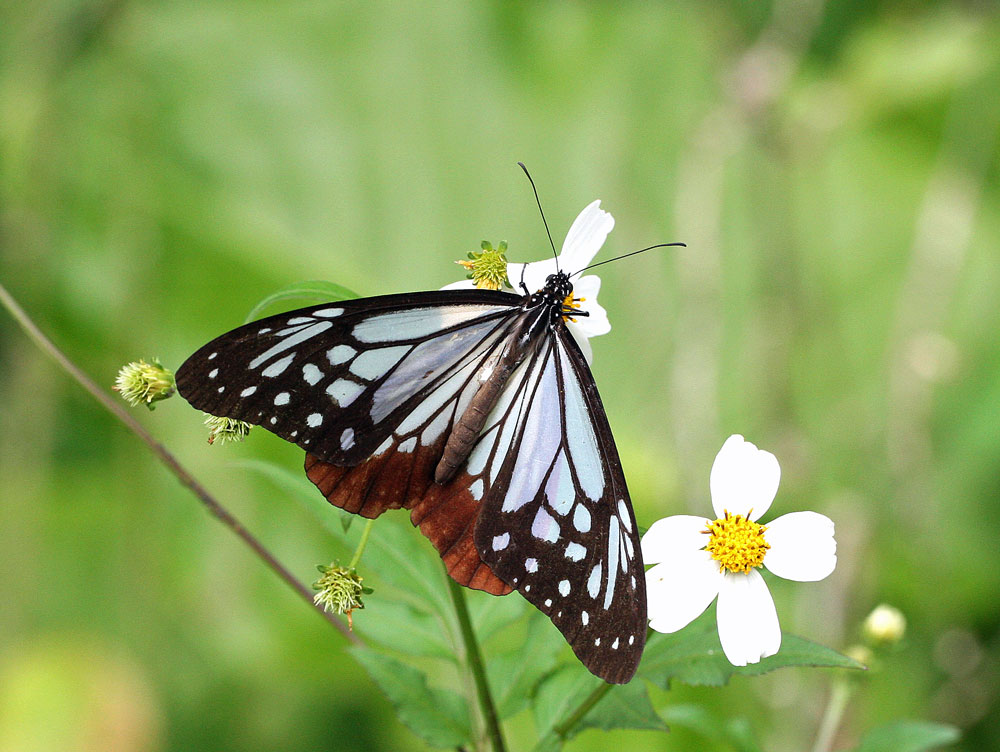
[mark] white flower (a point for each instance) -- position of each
(698, 559)
(583, 241)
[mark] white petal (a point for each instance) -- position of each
(744, 479)
(464, 284)
(676, 595)
(596, 322)
(585, 238)
(533, 274)
(670, 536)
(584, 343)
(748, 622)
(802, 546)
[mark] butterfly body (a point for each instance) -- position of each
(476, 411)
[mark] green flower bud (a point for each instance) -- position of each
(488, 267)
(226, 429)
(142, 383)
(340, 590)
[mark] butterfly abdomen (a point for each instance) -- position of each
(493, 375)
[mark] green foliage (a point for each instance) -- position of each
(908, 736)
(694, 656)
(735, 733)
(313, 290)
(438, 716)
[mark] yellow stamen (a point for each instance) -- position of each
(737, 543)
(571, 304)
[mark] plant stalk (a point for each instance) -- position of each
(477, 667)
(168, 459)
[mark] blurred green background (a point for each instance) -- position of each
(833, 168)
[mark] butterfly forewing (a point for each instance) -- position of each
(337, 379)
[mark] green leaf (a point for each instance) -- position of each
(694, 656)
(908, 736)
(734, 731)
(563, 692)
(313, 290)
(514, 675)
(625, 706)
(438, 716)
(384, 620)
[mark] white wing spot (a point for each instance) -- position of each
(575, 552)
(281, 398)
(476, 489)
(585, 618)
(614, 645)
(372, 364)
(531, 565)
(213, 373)
(563, 588)
(548, 602)
(222, 389)
(545, 526)
(248, 391)
(594, 581)
(613, 546)
(500, 542)
(633, 582)
(527, 588)
(340, 354)
(265, 330)
(278, 367)
(409, 445)
(347, 439)
(293, 434)
(311, 374)
(344, 392)
(623, 514)
(329, 313)
(383, 446)
(631, 639)
(597, 642)
(314, 420)
(213, 356)
(273, 421)
(581, 518)
(290, 341)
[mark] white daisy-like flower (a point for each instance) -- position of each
(583, 241)
(697, 559)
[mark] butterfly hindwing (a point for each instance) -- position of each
(559, 524)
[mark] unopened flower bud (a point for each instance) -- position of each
(340, 590)
(488, 267)
(226, 429)
(885, 625)
(142, 383)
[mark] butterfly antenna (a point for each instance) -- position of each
(641, 250)
(537, 201)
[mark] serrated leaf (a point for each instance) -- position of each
(626, 706)
(695, 657)
(438, 716)
(515, 675)
(734, 731)
(908, 736)
(562, 693)
(383, 620)
(311, 290)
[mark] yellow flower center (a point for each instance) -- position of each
(737, 543)
(571, 304)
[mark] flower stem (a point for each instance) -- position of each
(361, 544)
(562, 729)
(168, 459)
(840, 694)
(477, 667)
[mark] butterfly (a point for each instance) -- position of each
(476, 411)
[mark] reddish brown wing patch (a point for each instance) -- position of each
(445, 514)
